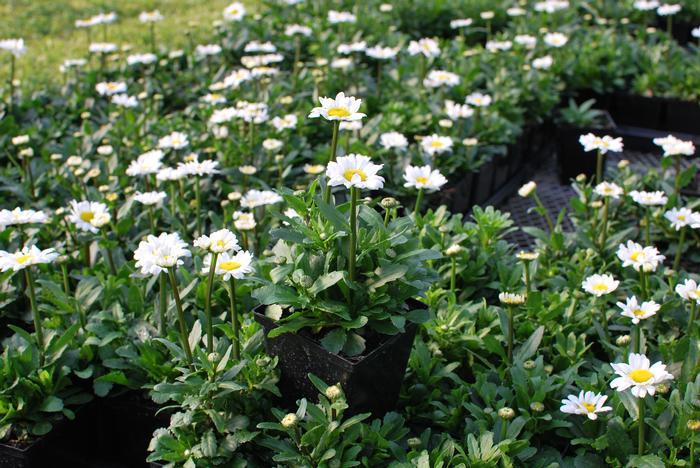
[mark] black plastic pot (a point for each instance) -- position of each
(483, 183)
(572, 160)
(28, 456)
(457, 197)
(371, 383)
(639, 111)
(682, 116)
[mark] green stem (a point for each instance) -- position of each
(677, 184)
(234, 319)
(207, 303)
(153, 38)
(353, 233)
(66, 284)
(640, 442)
(638, 338)
(545, 213)
(334, 148)
(12, 82)
(604, 323)
(642, 284)
(35, 315)
(604, 228)
(691, 320)
(647, 228)
(510, 335)
(198, 197)
(526, 266)
(453, 275)
(387, 213)
(599, 168)
(180, 316)
(419, 202)
(677, 260)
(163, 304)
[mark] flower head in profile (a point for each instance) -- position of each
(668, 9)
(673, 146)
(636, 311)
(586, 403)
(156, 254)
(437, 78)
(646, 5)
(88, 216)
(124, 100)
(689, 290)
(423, 177)
(478, 99)
(682, 217)
(426, 46)
(254, 198)
(234, 12)
(608, 189)
(150, 198)
(638, 257)
(436, 144)
(591, 142)
(14, 46)
(244, 221)
(379, 52)
(555, 39)
(199, 168)
(335, 17)
(26, 257)
(640, 375)
(150, 16)
(457, 111)
(461, 23)
(176, 140)
(219, 241)
(355, 170)
(339, 108)
(600, 285)
(110, 88)
(393, 140)
(18, 216)
(527, 189)
(147, 163)
(511, 298)
(657, 198)
(230, 265)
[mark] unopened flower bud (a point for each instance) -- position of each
(454, 250)
(289, 421)
(389, 202)
(333, 392)
(506, 413)
(622, 340)
(529, 364)
(536, 406)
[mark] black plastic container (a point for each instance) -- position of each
(483, 183)
(572, 160)
(29, 456)
(682, 116)
(639, 111)
(370, 383)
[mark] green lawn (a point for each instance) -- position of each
(47, 27)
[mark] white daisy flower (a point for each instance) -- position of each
(586, 403)
(287, 122)
(219, 241)
(141, 59)
(110, 88)
(689, 290)
(436, 144)
(527, 189)
(354, 170)
(543, 63)
(673, 146)
(590, 142)
(457, 111)
(668, 9)
(207, 50)
(657, 198)
(426, 46)
(636, 311)
(335, 17)
(379, 52)
(254, 198)
(608, 189)
(346, 49)
(102, 48)
(640, 375)
(681, 217)
(646, 5)
(150, 16)
(156, 254)
(147, 163)
(176, 140)
(478, 99)
(461, 23)
(234, 12)
(150, 198)
(341, 108)
(19, 216)
(199, 168)
(437, 78)
(227, 265)
(600, 285)
(423, 178)
(638, 257)
(244, 221)
(14, 46)
(26, 257)
(393, 140)
(555, 39)
(124, 100)
(511, 298)
(88, 216)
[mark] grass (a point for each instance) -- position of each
(47, 27)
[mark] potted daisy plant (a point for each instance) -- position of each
(338, 301)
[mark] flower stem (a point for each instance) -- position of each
(604, 227)
(604, 323)
(12, 82)
(163, 304)
(638, 338)
(419, 202)
(510, 335)
(599, 168)
(677, 185)
(207, 303)
(647, 227)
(453, 275)
(198, 197)
(642, 284)
(35, 315)
(691, 320)
(640, 442)
(180, 316)
(334, 148)
(353, 233)
(677, 260)
(234, 319)
(545, 213)
(526, 266)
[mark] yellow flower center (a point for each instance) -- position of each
(229, 266)
(588, 407)
(23, 259)
(422, 180)
(681, 217)
(634, 256)
(220, 243)
(638, 313)
(640, 375)
(600, 287)
(339, 112)
(436, 144)
(87, 216)
(350, 173)
(112, 86)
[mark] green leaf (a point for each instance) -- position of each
(334, 340)
(355, 345)
(277, 294)
(209, 444)
(386, 275)
(41, 428)
(52, 404)
(324, 282)
(332, 214)
(645, 461)
(529, 348)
